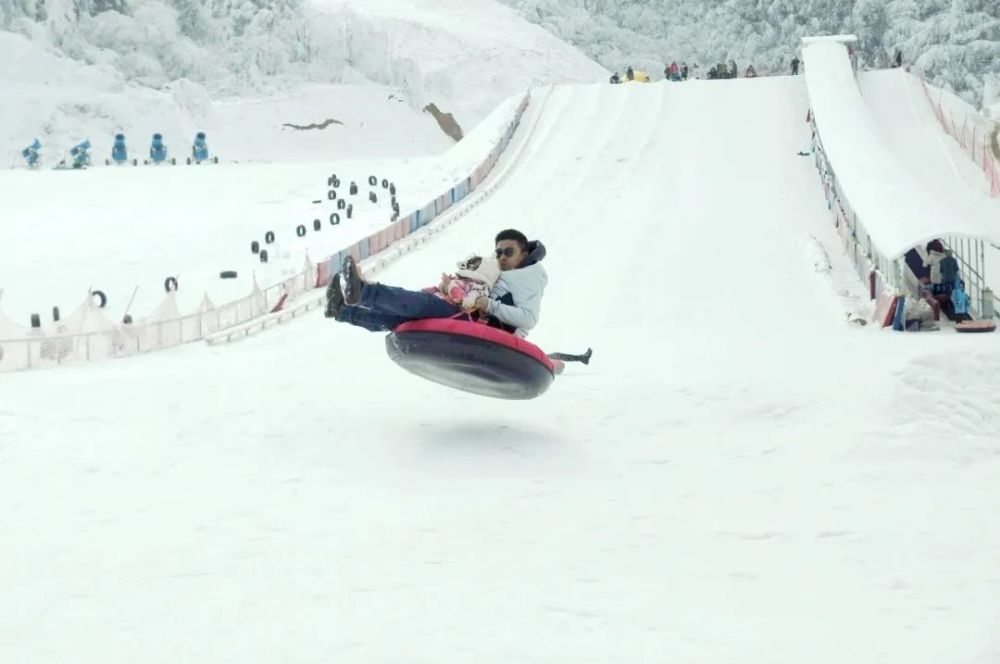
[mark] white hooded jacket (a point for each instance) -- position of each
(516, 298)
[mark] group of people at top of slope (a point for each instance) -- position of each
(679, 72)
(503, 290)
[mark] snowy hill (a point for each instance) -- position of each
(125, 230)
(738, 476)
(367, 65)
(465, 55)
(62, 102)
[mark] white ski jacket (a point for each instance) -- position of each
(516, 298)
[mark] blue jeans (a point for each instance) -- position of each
(381, 308)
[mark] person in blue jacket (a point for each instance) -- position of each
(960, 300)
(514, 302)
(949, 269)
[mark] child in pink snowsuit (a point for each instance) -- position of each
(475, 279)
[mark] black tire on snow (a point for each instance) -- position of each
(269, 237)
(341, 203)
(255, 247)
(330, 180)
(55, 314)
(372, 180)
(127, 319)
(354, 189)
(227, 274)
(103, 299)
(332, 194)
(317, 224)
(373, 197)
(300, 230)
(168, 282)
(36, 321)
(263, 255)
(350, 211)
(392, 188)
(335, 219)
(385, 183)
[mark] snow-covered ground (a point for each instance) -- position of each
(124, 230)
(739, 475)
(118, 229)
(465, 55)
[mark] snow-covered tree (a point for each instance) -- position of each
(955, 42)
(232, 44)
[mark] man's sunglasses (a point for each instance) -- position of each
(506, 251)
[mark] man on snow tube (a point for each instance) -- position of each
(514, 302)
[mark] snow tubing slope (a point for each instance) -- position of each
(471, 357)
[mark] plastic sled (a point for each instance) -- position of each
(975, 326)
(471, 357)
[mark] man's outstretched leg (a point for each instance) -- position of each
(369, 320)
(389, 300)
